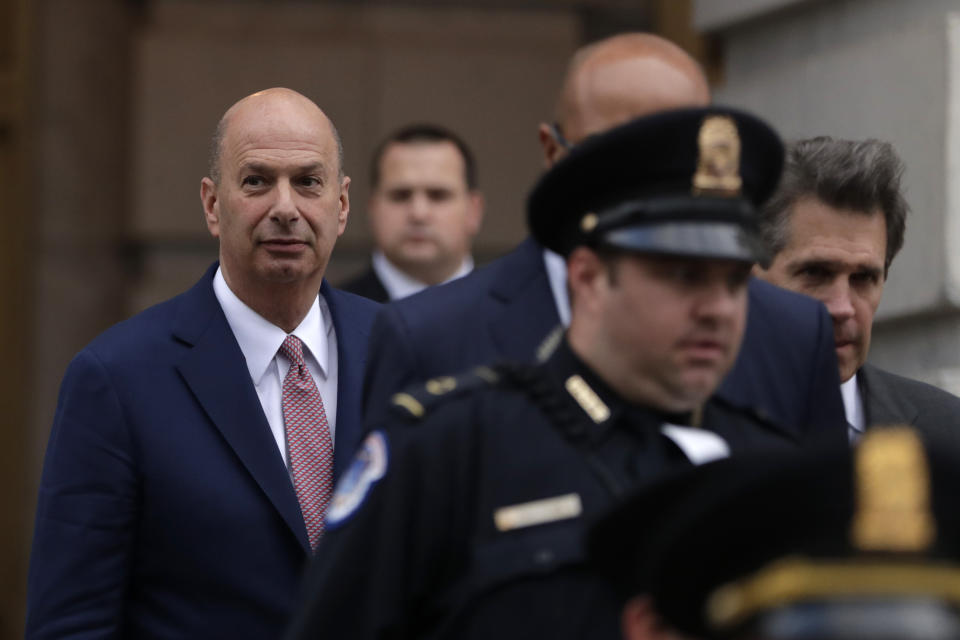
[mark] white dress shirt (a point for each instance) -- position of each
(400, 285)
(557, 274)
(260, 342)
(853, 407)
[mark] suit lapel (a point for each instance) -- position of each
(881, 403)
(526, 312)
(351, 359)
(215, 371)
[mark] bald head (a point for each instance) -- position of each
(270, 107)
(277, 201)
(621, 78)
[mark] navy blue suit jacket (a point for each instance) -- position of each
(165, 507)
(786, 369)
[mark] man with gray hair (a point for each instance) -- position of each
(833, 228)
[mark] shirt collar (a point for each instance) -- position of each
(853, 404)
(400, 285)
(259, 339)
(556, 268)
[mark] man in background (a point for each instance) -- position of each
(424, 213)
(505, 311)
(833, 229)
(191, 457)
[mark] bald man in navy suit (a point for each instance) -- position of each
(167, 508)
(507, 310)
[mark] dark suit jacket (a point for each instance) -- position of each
(787, 366)
(165, 507)
(368, 285)
(891, 399)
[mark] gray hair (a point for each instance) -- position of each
(846, 174)
(216, 149)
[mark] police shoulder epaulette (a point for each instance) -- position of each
(417, 400)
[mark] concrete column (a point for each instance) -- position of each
(17, 486)
(82, 176)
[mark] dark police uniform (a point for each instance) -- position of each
(475, 528)
(836, 544)
(464, 512)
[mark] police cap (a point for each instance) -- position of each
(685, 182)
(838, 544)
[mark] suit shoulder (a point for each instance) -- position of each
(467, 298)
(366, 285)
(419, 401)
(921, 393)
(351, 308)
(754, 416)
(138, 332)
(449, 295)
(356, 302)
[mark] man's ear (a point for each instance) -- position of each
(211, 206)
(344, 205)
(586, 274)
(475, 212)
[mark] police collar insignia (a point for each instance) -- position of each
(587, 398)
(368, 466)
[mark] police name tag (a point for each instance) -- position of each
(528, 514)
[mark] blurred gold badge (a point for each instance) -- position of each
(718, 162)
(893, 493)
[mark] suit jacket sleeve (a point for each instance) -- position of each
(86, 512)
(392, 364)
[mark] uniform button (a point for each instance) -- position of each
(543, 556)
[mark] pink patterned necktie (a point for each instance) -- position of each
(309, 444)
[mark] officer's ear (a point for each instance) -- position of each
(586, 275)
(639, 621)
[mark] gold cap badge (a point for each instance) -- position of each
(893, 493)
(718, 162)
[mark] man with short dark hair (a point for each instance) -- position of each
(192, 454)
(833, 228)
(424, 212)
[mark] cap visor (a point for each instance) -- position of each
(720, 240)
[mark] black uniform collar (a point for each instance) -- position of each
(596, 399)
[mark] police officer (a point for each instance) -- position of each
(463, 517)
(830, 545)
